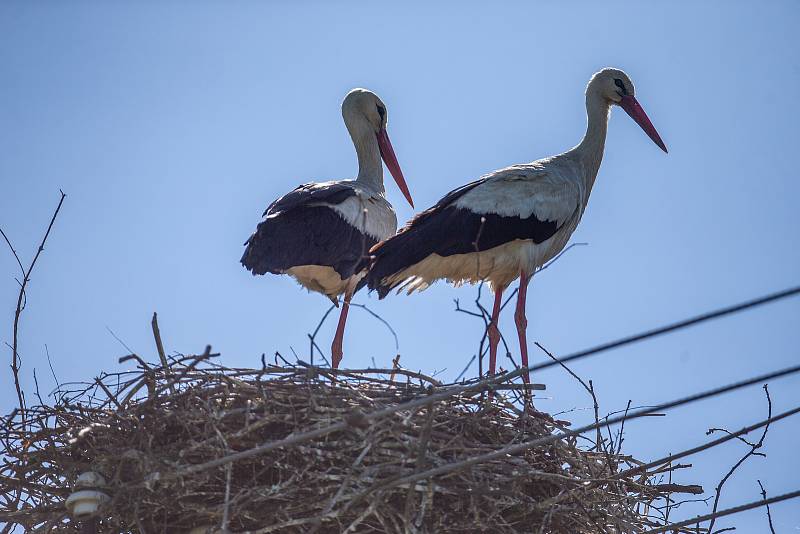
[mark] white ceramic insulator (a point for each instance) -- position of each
(84, 503)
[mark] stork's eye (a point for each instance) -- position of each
(382, 112)
(621, 85)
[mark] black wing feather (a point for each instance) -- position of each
(331, 193)
(298, 231)
(447, 230)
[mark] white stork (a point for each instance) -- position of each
(509, 222)
(320, 233)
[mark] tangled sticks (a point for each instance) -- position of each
(162, 437)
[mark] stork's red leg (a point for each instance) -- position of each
(522, 322)
(494, 331)
(336, 346)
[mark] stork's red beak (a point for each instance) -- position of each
(636, 112)
(387, 153)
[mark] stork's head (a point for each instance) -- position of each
(616, 88)
(365, 113)
(364, 107)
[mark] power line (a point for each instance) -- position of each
(694, 450)
(716, 314)
(728, 511)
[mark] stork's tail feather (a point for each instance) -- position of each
(252, 260)
(361, 283)
(386, 259)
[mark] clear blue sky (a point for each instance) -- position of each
(171, 126)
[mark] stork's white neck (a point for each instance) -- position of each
(370, 168)
(590, 150)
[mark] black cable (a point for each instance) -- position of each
(672, 327)
(736, 509)
(694, 450)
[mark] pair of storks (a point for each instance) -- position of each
(335, 237)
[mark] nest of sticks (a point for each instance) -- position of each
(192, 445)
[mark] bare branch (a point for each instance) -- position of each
(52, 371)
(463, 371)
(588, 387)
(15, 362)
(382, 320)
(14, 252)
(313, 336)
(769, 515)
(753, 448)
(710, 444)
(162, 356)
(557, 256)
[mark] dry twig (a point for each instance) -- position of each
(754, 447)
(21, 298)
(769, 514)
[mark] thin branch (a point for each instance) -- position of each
(382, 320)
(126, 347)
(769, 515)
(588, 387)
(621, 434)
(159, 344)
(753, 448)
(557, 256)
(36, 386)
(52, 371)
(160, 348)
(15, 364)
(313, 336)
(421, 459)
(463, 371)
(14, 252)
(710, 444)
